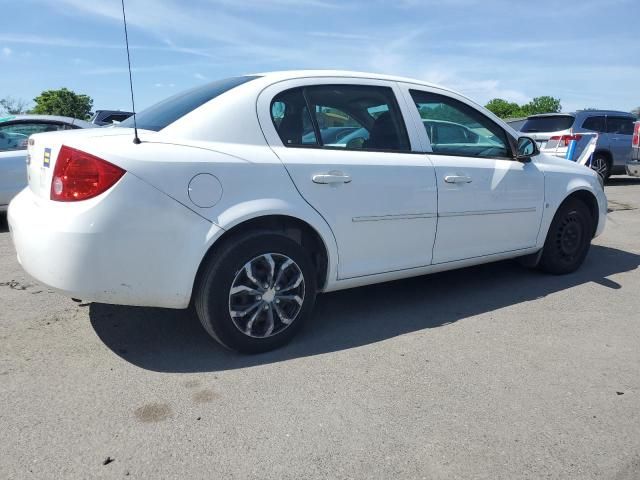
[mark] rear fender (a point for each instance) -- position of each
(243, 212)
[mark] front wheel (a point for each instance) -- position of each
(256, 291)
(568, 239)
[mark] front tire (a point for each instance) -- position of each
(256, 291)
(568, 239)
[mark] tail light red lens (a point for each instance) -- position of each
(636, 135)
(79, 176)
(566, 138)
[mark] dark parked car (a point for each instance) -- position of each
(107, 117)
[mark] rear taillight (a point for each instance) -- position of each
(566, 138)
(79, 176)
(636, 135)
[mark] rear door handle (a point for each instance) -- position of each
(457, 179)
(331, 177)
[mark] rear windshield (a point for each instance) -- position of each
(168, 111)
(548, 124)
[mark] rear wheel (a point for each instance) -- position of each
(256, 291)
(600, 163)
(568, 239)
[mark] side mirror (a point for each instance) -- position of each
(527, 148)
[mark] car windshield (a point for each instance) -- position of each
(550, 123)
(168, 111)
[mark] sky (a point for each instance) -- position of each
(585, 52)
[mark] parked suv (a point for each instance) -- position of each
(633, 165)
(554, 131)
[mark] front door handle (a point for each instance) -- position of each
(457, 179)
(331, 178)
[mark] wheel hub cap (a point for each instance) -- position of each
(570, 238)
(266, 295)
(269, 295)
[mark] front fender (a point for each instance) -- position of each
(558, 187)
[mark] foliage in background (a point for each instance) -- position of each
(13, 106)
(444, 113)
(505, 109)
(636, 112)
(63, 102)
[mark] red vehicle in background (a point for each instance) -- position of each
(633, 165)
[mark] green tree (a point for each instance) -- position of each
(505, 109)
(12, 106)
(543, 104)
(63, 102)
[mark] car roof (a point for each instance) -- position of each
(542, 115)
(294, 74)
(605, 112)
(47, 118)
(582, 113)
(112, 111)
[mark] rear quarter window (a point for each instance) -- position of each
(168, 111)
(620, 125)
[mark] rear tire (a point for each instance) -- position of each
(568, 239)
(256, 291)
(601, 164)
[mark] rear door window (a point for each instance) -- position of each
(549, 123)
(594, 124)
(620, 125)
(292, 120)
(349, 117)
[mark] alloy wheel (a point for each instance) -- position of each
(266, 295)
(599, 164)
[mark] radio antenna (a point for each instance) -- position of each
(136, 139)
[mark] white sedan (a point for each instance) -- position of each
(233, 203)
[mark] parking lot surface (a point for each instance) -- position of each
(492, 372)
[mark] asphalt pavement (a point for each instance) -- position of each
(491, 372)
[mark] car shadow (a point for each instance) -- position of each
(4, 224)
(174, 341)
(615, 181)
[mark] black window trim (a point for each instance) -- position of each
(316, 128)
(512, 143)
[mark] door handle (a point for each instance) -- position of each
(457, 179)
(331, 178)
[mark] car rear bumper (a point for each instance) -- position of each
(633, 168)
(132, 245)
